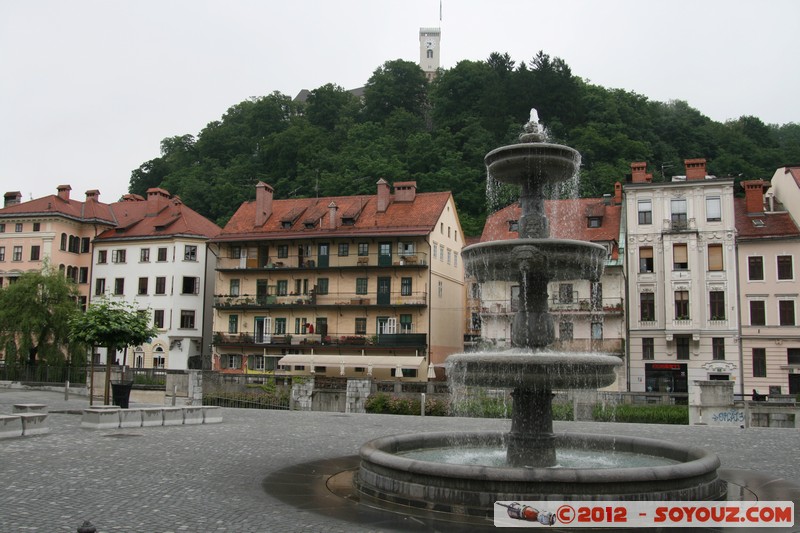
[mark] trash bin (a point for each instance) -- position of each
(121, 393)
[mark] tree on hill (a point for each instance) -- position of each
(438, 133)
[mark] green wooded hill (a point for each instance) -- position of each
(437, 134)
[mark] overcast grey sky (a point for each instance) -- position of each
(88, 88)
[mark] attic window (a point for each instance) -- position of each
(513, 225)
(595, 222)
(309, 224)
(286, 224)
(348, 221)
(758, 222)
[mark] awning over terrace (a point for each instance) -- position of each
(350, 361)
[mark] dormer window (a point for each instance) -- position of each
(513, 225)
(595, 222)
(348, 221)
(286, 224)
(758, 222)
(309, 224)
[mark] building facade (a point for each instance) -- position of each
(587, 315)
(56, 229)
(156, 259)
(682, 279)
(768, 247)
(340, 286)
(429, 51)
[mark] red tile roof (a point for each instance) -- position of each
(138, 220)
(400, 218)
(128, 218)
(775, 225)
(88, 211)
(569, 219)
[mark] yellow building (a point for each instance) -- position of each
(357, 286)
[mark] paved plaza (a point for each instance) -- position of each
(211, 477)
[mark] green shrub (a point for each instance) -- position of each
(562, 411)
(382, 403)
(642, 414)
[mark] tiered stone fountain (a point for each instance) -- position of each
(398, 470)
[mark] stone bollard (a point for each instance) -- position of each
(87, 527)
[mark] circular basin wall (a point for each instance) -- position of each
(385, 476)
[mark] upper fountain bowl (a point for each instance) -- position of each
(532, 163)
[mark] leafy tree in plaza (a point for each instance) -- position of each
(34, 318)
(113, 324)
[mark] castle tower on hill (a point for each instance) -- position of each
(429, 39)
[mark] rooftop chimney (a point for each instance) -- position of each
(92, 195)
(405, 191)
(332, 215)
(157, 200)
(617, 193)
(63, 192)
(384, 196)
(12, 198)
(639, 172)
(264, 195)
(754, 196)
(695, 169)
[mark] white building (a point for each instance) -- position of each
(157, 259)
(429, 60)
(681, 264)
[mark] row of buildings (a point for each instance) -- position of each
(699, 283)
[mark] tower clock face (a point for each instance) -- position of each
(429, 44)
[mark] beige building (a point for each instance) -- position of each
(682, 281)
(768, 248)
(340, 286)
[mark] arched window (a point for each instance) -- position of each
(430, 54)
(138, 357)
(63, 241)
(158, 357)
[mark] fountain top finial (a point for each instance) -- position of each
(533, 130)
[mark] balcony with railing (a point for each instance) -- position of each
(338, 299)
(404, 338)
(319, 262)
(679, 224)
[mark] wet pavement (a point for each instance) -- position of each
(212, 477)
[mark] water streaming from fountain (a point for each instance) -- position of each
(401, 470)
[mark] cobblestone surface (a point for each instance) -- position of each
(208, 478)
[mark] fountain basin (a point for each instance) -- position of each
(557, 259)
(533, 370)
(537, 162)
(387, 477)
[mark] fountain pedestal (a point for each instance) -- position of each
(531, 442)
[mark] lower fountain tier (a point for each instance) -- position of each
(553, 259)
(387, 477)
(535, 370)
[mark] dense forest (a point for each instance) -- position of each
(437, 133)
